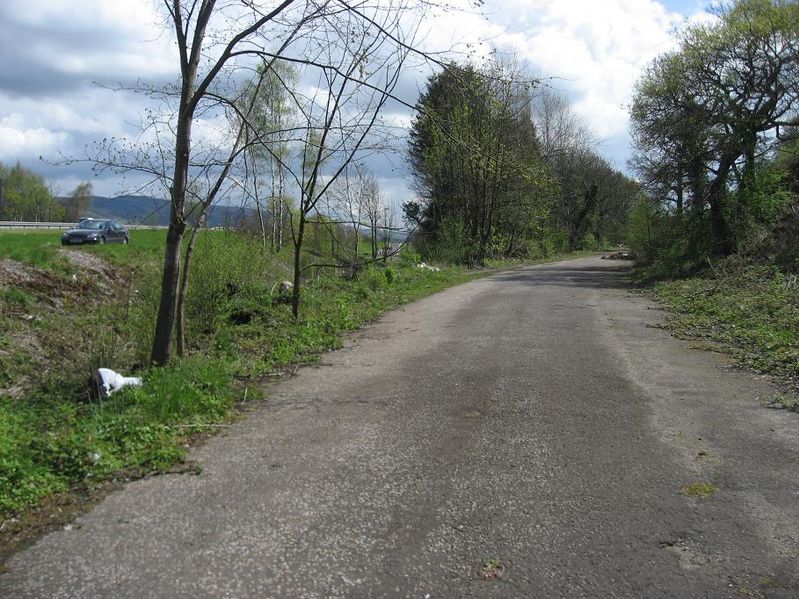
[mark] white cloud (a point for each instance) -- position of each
(595, 49)
(591, 51)
(21, 141)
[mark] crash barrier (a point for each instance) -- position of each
(13, 224)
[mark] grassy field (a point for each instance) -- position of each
(41, 247)
(67, 311)
(748, 310)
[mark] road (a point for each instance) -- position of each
(524, 435)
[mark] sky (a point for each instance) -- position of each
(62, 63)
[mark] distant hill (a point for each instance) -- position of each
(146, 210)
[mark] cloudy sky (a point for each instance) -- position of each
(61, 59)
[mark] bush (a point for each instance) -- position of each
(590, 242)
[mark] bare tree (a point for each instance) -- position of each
(561, 131)
(373, 207)
(357, 60)
(346, 204)
(79, 201)
(191, 20)
(349, 56)
(389, 224)
(270, 115)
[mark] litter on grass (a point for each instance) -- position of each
(106, 382)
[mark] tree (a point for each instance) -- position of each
(342, 115)
(271, 115)
(346, 199)
(352, 54)
(474, 157)
(706, 115)
(26, 196)
(354, 200)
(79, 201)
(373, 208)
(589, 199)
(190, 20)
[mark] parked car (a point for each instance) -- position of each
(95, 231)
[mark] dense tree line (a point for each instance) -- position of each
(714, 126)
(505, 169)
(26, 197)
(591, 199)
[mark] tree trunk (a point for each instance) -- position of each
(180, 320)
(280, 207)
(295, 292)
(261, 224)
(722, 239)
(165, 322)
(170, 280)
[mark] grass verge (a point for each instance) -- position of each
(748, 310)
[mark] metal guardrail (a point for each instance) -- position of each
(13, 224)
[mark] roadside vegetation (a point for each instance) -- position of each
(66, 312)
(717, 149)
(748, 310)
(504, 168)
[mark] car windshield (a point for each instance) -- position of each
(91, 224)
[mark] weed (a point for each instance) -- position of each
(492, 569)
(698, 490)
(781, 401)
(17, 297)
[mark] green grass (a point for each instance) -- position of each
(42, 248)
(145, 244)
(37, 248)
(748, 310)
(46, 447)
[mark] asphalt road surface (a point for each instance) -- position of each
(525, 435)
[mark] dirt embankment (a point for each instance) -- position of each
(32, 298)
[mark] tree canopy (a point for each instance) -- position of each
(501, 165)
(708, 118)
(26, 196)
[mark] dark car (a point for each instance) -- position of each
(95, 231)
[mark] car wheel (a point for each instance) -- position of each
(101, 241)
